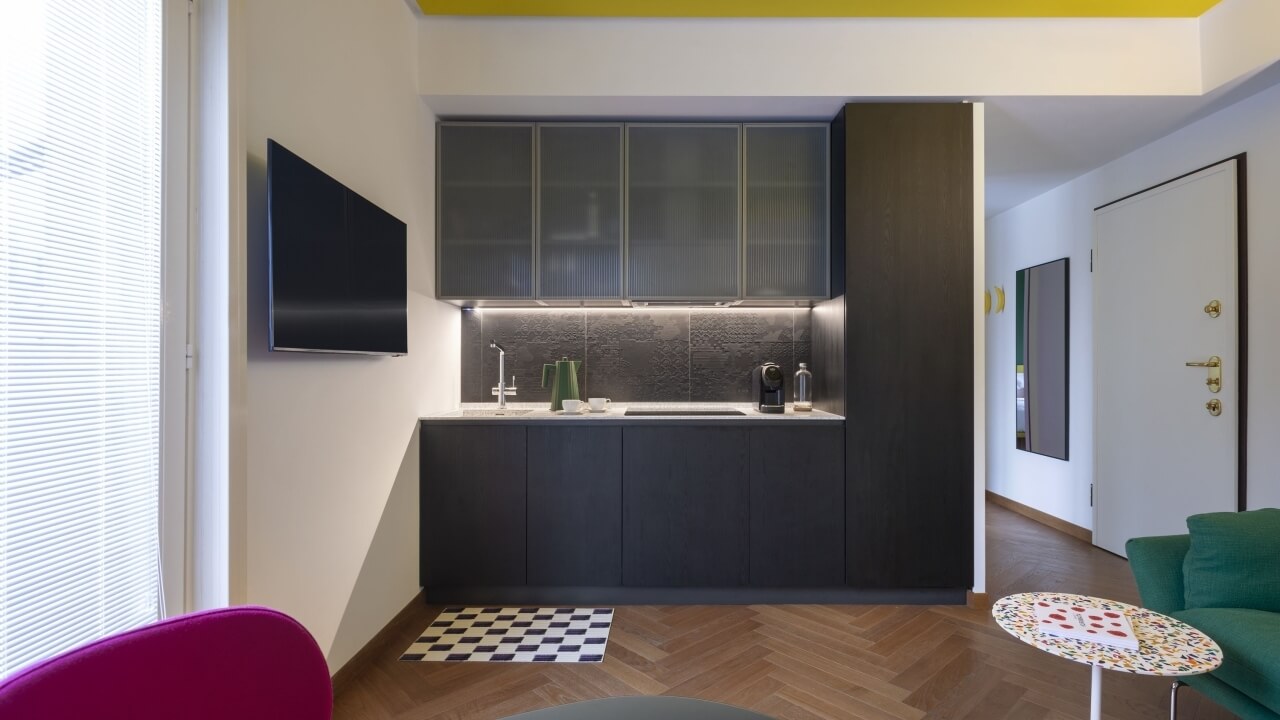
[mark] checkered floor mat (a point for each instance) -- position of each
(514, 635)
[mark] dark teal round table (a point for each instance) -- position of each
(642, 708)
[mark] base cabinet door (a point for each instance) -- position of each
(797, 506)
(575, 506)
(685, 507)
(472, 506)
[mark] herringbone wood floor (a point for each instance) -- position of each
(796, 662)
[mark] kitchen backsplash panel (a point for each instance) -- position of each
(634, 355)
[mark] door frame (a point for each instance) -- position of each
(1242, 302)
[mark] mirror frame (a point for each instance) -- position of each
(1019, 311)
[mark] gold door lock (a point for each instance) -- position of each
(1213, 309)
(1214, 407)
(1214, 366)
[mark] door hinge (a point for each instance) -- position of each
(191, 7)
(191, 355)
(1090, 494)
(1090, 261)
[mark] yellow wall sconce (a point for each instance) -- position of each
(986, 302)
(999, 298)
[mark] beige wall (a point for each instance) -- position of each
(331, 489)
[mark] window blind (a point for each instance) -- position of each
(80, 313)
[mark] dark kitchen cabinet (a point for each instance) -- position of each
(683, 211)
(601, 212)
(472, 510)
(485, 211)
(906, 229)
(575, 506)
(786, 211)
(579, 235)
(797, 506)
(685, 507)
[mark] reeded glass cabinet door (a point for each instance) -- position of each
(786, 227)
(484, 213)
(580, 211)
(683, 203)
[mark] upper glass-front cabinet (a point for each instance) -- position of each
(786, 228)
(485, 210)
(683, 211)
(580, 211)
(608, 212)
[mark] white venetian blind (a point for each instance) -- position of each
(80, 311)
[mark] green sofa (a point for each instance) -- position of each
(1229, 588)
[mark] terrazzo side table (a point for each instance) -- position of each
(1166, 647)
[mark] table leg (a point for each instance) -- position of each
(1173, 700)
(1095, 694)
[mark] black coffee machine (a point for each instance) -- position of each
(769, 387)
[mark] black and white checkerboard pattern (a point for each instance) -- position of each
(575, 635)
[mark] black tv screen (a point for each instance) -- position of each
(337, 276)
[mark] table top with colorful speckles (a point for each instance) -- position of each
(1166, 646)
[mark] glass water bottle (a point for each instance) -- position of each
(804, 389)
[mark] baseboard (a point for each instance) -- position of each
(1041, 517)
(376, 645)
(530, 595)
(978, 600)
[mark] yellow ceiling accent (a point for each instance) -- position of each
(822, 8)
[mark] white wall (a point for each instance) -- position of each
(332, 449)
(1059, 224)
(979, 349)
(797, 57)
(1236, 37)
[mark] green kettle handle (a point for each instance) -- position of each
(547, 370)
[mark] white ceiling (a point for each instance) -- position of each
(1035, 144)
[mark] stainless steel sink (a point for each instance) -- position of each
(494, 413)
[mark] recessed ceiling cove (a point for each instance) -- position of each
(823, 8)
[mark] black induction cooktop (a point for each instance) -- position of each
(682, 413)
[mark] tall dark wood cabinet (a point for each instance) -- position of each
(905, 230)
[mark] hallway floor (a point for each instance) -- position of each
(882, 662)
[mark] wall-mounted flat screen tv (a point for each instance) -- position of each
(337, 277)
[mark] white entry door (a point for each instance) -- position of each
(1163, 448)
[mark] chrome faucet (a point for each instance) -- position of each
(502, 391)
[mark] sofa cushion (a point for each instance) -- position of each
(1234, 560)
(1250, 642)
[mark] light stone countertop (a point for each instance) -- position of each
(617, 412)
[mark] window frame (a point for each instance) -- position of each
(175, 468)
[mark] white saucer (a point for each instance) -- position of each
(566, 412)
(600, 411)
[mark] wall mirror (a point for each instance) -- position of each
(1042, 348)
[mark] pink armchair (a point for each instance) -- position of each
(247, 663)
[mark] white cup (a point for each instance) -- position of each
(572, 406)
(599, 404)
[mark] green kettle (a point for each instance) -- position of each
(563, 376)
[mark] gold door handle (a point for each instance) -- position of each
(1214, 365)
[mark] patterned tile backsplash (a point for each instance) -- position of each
(633, 355)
